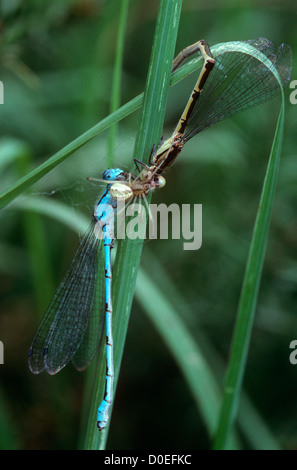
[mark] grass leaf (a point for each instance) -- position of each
(249, 294)
(129, 252)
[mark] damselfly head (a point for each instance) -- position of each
(113, 174)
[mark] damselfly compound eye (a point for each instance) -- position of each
(161, 182)
(113, 174)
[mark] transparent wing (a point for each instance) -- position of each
(240, 80)
(93, 334)
(67, 318)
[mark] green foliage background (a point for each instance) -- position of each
(56, 63)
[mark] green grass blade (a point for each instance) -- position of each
(117, 77)
(128, 254)
(249, 294)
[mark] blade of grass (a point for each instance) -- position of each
(116, 82)
(115, 103)
(249, 294)
(128, 254)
